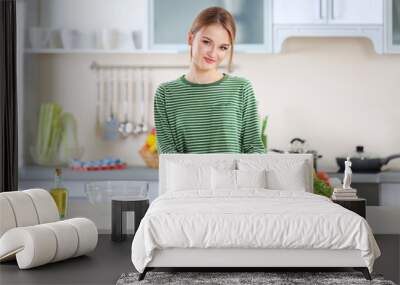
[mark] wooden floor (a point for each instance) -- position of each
(102, 266)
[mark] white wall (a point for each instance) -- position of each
(336, 93)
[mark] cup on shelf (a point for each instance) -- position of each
(137, 39)
(86, 39)
(54, 38)
(124, 39)
(39, 37)
(106, 38)
(69, 38)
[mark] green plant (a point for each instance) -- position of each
(263, 129)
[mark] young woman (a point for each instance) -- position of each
(206, 111)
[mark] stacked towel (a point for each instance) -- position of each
(344, 194)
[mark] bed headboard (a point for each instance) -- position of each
(209, 158)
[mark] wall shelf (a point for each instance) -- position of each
(98, 51)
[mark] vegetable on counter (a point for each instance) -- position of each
(321, 184)
(49, 134)
(69, 146)
(56, 138)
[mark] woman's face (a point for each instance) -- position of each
(210, 45)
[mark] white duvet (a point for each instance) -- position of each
(252, 218)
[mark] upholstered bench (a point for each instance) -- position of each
(31, 232)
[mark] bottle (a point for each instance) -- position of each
(60, 194)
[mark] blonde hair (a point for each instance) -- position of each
(216, 15)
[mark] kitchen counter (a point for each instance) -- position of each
(151, 174)
(33, 173)
(380, 177)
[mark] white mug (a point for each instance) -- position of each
(69, 38)
(39, 37)
(125, 39)
(137, 39)
(86, 39)
(106, 38)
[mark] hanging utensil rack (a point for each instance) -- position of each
(142, 78)
(96, 66)
(143, 75)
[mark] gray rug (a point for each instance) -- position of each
(229, 278)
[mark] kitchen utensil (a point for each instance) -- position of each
(111, 125)
(99, 98)
(132, 98)
(125, 127)
(361, 162)
(298, 145)
(139, 126)
(136, 97)
(145, 96)
(119, 98)
(150, 109)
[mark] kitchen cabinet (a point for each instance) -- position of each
(299, 12)
(328, 12)
(392, 26)
(253, 23)
(355, 12)
(63, 26)
(328, 18)
(107, 30)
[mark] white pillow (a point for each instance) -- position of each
(227, 179)
(251, 178)
(183, 174)
(282, 174)
(223, 179)
(183, 177)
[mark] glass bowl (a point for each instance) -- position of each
(100, 192)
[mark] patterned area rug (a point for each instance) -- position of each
(269, 278)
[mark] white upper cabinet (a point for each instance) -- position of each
(167, 31)
(356, 12)
(299, 11)
(328, 12)
(328, 18)
(392, 26)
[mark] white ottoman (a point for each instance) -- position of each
(31, 232)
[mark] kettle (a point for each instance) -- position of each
(298, 145)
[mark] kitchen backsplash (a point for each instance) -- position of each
(334, 92)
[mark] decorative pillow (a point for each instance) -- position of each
(251, 178)
(227, 179)
(182, 177)
(282, 174)
(223, 179)
(285, 178)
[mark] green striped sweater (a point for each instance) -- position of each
(207, 118)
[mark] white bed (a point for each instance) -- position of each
(249, 227)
